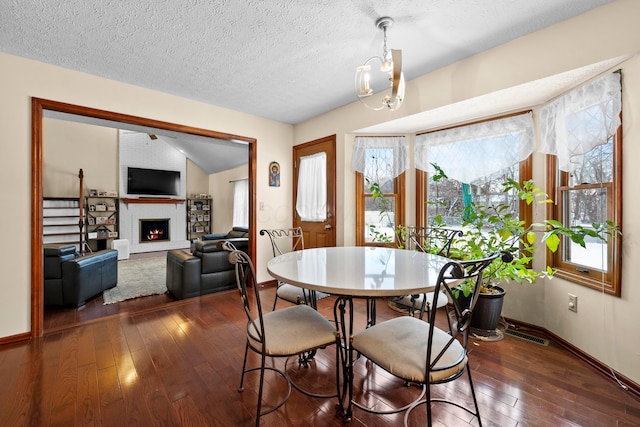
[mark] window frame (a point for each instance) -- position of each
(399, 188)
(557, 181)
(422, 185)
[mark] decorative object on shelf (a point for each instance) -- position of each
(198, 216)
(102, 220)
(93, 192)
(274, 174)
(387, 72)
(102, 194)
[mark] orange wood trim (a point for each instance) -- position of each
(25, 336)
(152, 201)
(38, 105)
(37, 257)
(359, 209)
(421, 198)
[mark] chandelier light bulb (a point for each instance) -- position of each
(389, 78)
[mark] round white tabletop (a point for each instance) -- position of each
(360, 271)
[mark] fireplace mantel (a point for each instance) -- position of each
(152, 200)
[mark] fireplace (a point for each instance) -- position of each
(154, 230)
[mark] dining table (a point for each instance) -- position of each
(351, 272)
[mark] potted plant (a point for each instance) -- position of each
(490, 228)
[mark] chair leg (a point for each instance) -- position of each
(427, 398)
(473, 394)
(263, 362)
(244, 367)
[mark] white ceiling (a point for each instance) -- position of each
(286, 60)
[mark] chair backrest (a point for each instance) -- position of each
(452, 274)
(433, 240)
(245, 280)
(281, 237)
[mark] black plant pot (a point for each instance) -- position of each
(486, 314)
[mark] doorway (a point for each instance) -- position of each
(39, 107)
(319, 232)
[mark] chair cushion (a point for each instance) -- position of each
(399, 346)
(294, 294)
(292, 330)
(417, 304)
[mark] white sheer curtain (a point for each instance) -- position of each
(580, 120)
(311, 201)
(468, 153)
(366, 145)
(241, 203)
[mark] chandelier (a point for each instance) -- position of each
(378, 74)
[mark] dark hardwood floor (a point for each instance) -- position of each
(178, 364)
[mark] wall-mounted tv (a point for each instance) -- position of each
(153, 182)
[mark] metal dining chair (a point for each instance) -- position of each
(286, 332)
(434, 240)
(280, 240)
(419, 352)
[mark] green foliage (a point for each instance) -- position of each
(378, 195)
(493, 228)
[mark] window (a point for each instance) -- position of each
(477, 158)
(241, 203)
(584, 175)
(380, 187)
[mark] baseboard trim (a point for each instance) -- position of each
(25, 336)
(616, 377)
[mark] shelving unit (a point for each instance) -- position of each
(101, 221)
(61, 221)
(198, 218)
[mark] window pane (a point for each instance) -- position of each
(379, 169)
(596, 166)
(584, 207)
(382, 214)
(446, 199)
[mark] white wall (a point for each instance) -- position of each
(604, 326)
(221, 185)
(69, 146)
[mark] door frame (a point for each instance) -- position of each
(331, 172)
(38, 106)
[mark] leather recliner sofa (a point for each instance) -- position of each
(207, 269)
(71, 280)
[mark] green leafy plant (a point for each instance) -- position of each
(377, 195)
(490, 228)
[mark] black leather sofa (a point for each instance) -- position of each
(207, 269)
(71, 280)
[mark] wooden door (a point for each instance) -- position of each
(317, 234)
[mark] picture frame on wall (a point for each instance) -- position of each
(274, 174)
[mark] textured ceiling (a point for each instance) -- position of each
(286, 60)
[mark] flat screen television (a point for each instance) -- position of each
(153, 182)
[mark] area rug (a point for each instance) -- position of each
(138, 278)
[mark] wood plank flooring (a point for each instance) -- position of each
(178, 364)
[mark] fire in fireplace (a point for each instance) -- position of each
(154, 230)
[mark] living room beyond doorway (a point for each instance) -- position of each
(57, 318)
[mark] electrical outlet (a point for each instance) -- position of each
(573, 303)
